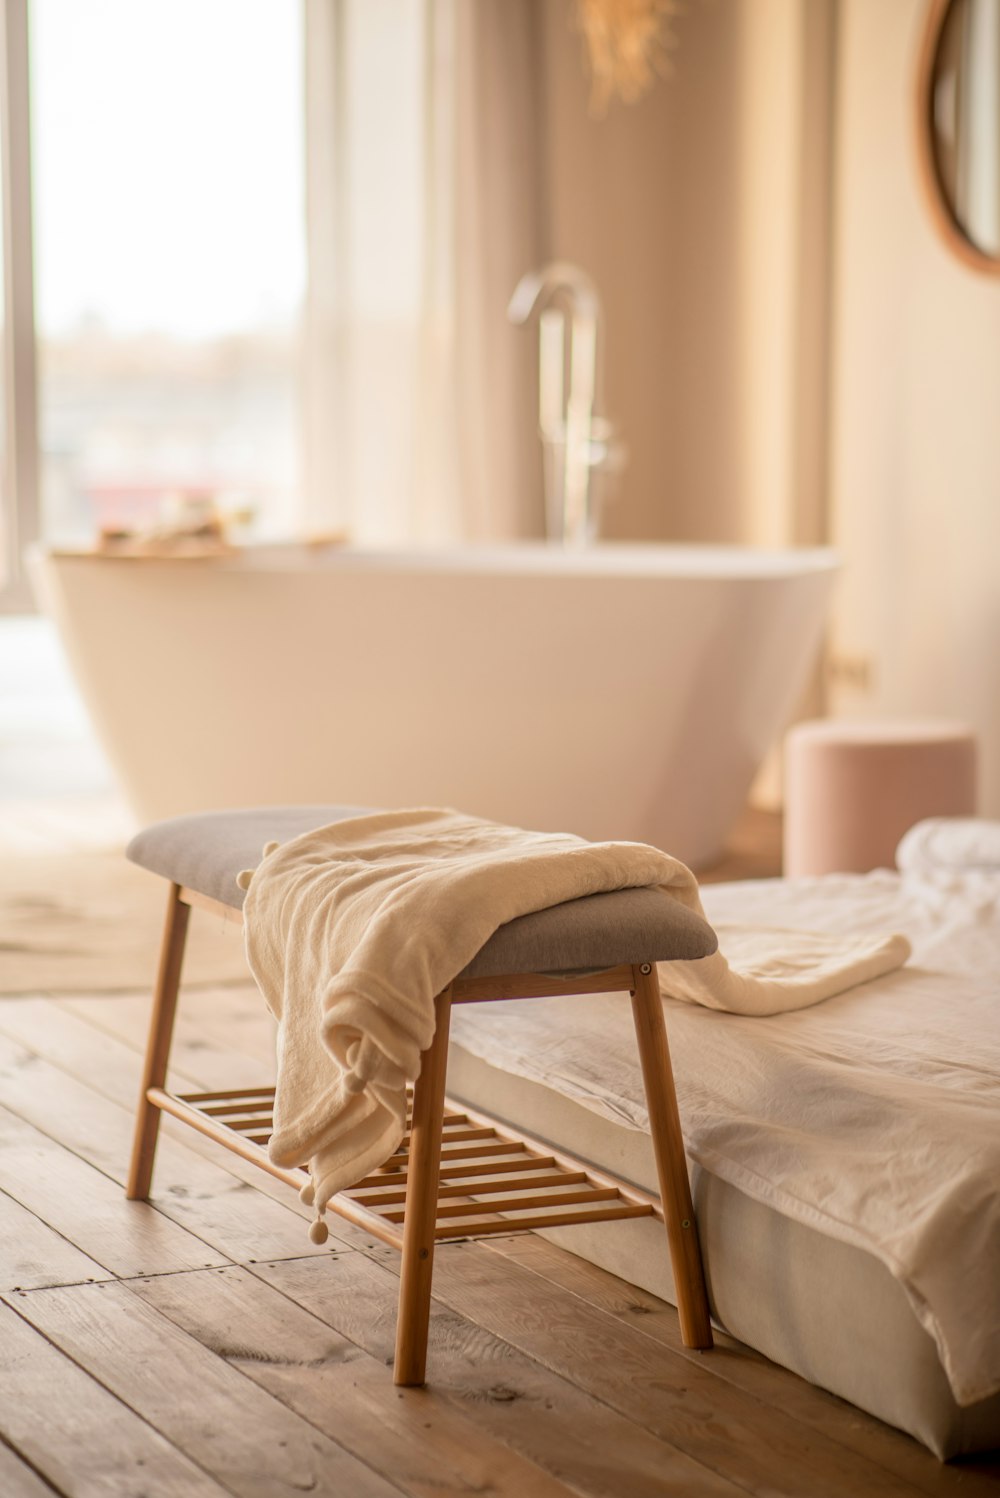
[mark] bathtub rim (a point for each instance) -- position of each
(667, 560)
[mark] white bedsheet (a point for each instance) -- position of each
(874, 1116)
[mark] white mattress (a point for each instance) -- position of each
(849, 1154)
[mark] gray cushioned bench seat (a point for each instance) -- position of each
(206, 851)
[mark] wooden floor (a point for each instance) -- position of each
(200, 1345)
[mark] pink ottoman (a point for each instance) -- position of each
(852, 788)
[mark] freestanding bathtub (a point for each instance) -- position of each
(622, 691)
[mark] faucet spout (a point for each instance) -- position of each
(537, 287)
(565, 414)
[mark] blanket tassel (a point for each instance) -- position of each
(318, 1230)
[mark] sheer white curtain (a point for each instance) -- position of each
(423, 207)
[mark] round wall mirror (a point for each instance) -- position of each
(958, 126)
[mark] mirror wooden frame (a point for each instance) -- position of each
(938, 206)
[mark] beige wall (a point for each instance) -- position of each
(646, 200)
(915, 473)
(791, 352)
(688, 210)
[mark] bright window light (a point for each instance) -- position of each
(168, 159)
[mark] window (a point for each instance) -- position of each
(233, 277)
(168, 176)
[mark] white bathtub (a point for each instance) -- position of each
(625, 691)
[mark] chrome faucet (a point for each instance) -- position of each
(575, 442)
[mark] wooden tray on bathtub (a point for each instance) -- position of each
(144, 551)
(188, 549)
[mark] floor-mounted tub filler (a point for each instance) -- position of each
(617, 691)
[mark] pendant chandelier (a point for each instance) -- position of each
(629, 44)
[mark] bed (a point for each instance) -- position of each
(846, 1157)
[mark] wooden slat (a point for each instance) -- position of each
(266, 1094)
(520, 1203)
(547, 1219)
(238, 1124)
(571, 1163)
(535, 1180)
(472, 1171)
(262, 1111)
(456, 1135)
(230, 1139)
(558, 1178)
(468, 1152)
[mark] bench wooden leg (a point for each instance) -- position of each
(671, 1165)
(420, 1220)
(161, 1029)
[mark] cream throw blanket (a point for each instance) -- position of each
(353, 929)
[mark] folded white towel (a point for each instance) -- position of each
(352, 930)
(939, 844)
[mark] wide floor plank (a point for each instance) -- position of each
(429, 1448)
(32, 1255)
(676, 1399)
(94, 1026)
(56, 1031)
(251, 1443)
(127, 1238)
(546, 1373)
(578, 1439)
(88, 1052)
(219, 1033)
(84, 1440)
(18, 1480)
(775, 1387)
(198, 1195)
